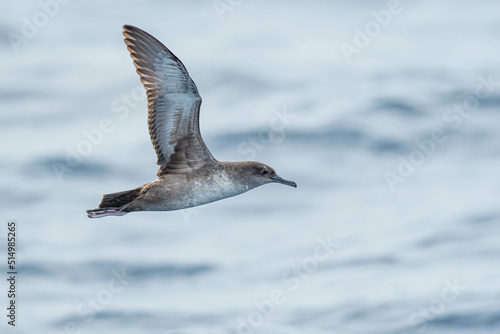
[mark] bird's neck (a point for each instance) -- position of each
(236, 173)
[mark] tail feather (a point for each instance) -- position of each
(115, 204)
(118, 199)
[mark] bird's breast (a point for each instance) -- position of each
(178, 191)
(216, 187)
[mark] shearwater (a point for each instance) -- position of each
(188, 175)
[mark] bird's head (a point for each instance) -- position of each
(259, 174)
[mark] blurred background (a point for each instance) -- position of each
(385, 113)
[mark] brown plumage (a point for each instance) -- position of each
(188, 175)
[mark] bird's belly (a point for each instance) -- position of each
(205, 194)
(168, 196)
(212, 190)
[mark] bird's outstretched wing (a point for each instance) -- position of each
(173, 104)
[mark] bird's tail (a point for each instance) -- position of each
(115, 204)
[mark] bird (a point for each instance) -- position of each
(188, 175)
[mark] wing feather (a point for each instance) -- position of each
(173, 104)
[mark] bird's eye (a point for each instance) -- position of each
(264, 172)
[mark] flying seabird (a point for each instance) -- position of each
(188, 175)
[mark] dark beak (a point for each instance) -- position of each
(283, 181)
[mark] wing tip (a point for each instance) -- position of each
(132, 32)
(128, 27)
